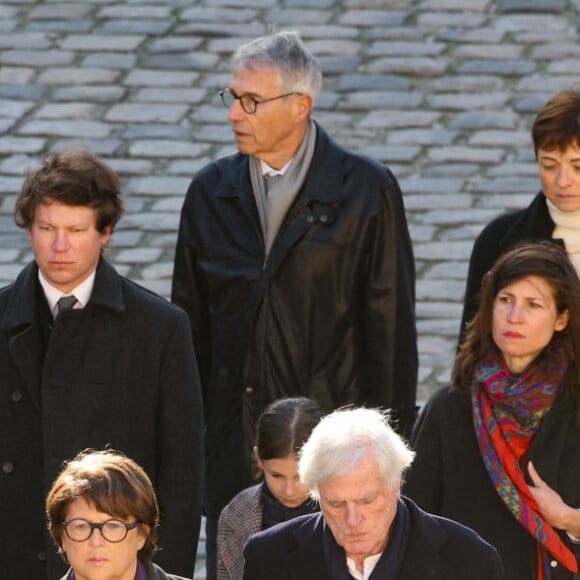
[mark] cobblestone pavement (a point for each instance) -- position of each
(443, 91)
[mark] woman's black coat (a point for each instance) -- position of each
(448, 477)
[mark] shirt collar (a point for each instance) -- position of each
(82, 292)
(267, 170)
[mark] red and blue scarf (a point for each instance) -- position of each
(507, 411)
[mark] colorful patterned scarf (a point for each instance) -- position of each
(507, 411)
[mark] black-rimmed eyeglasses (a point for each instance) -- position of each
(114, 531)
(249, 104)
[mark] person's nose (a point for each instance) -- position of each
(289, 488)
(353, 516)
(236, 113)
(96, 538)
(514, 314)
(563, 177)
(60, 241)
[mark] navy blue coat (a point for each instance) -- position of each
(437, 549)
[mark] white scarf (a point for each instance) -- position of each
(568, 229)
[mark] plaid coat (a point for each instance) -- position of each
(241, 518)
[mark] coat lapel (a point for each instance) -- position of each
(316, 205)
(422, 559)
(19, 322)
(306, 561)
(553, 435)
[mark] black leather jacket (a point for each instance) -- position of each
(329, 315)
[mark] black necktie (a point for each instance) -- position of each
(65, 303)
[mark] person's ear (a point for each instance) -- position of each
(303, 107)
(143, 531)
(397, 489)
(562, 320)
(106, 235)
(257, 456)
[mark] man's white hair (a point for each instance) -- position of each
(343, 438)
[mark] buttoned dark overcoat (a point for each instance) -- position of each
(121, 373)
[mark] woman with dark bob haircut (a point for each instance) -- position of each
(498, 451)
(103, 516)
(554, 213)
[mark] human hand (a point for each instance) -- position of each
(557, 513)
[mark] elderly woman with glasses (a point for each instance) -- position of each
(103, 515)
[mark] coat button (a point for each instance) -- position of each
(16, 397)
(7, 467)
(553, 563)
(309, 219)
(323, 218)
(249, 390)
(41, 555)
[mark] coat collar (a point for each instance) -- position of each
(307, 559)
(321, 185)
(426, 540)
(533, 222)
(20, 310)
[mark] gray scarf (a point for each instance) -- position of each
(273, 207)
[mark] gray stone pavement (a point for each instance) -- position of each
(442, 91)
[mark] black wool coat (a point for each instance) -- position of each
(120, 372)
(448, 476)
(153, 573)
(328, 315)
(437, 549)
(533, 223)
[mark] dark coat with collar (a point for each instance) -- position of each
(533, 223)
(448, 476)
(329, 314)
(437, 549)
(153, 573)
(119, 372)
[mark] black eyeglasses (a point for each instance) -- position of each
(114, 531)
(249, 103)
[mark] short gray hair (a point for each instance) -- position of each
(284, 51)
(343, 438)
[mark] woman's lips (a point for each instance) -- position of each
(512, 334)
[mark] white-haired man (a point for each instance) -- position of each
(353, 464)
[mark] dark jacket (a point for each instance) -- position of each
(153, 573)
(329, 314)
(448, 476)
(500, 235)
(437, 549)
(120, 372)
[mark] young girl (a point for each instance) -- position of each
(282, 429)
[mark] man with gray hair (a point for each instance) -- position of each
(294, 264)
(353, 464)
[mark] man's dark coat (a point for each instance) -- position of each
(437, 549)
(329, 314)
(120, 372)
